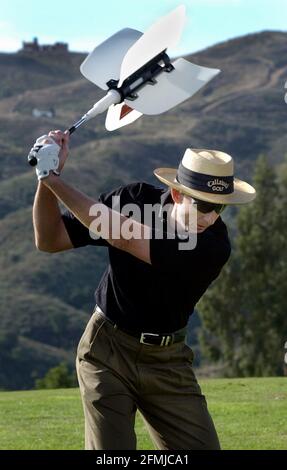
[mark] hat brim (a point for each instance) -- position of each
(243, 192)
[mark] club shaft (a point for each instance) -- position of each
(76, 125)
(112, 97)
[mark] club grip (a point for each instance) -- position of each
(32, 160)
(72, 130)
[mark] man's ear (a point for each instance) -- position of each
(176, 196)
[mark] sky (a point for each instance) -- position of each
(86, 23)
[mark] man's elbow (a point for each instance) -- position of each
(120, 244)
(44, 247)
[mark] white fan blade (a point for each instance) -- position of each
(120, 115)
(172, 88)
(163, 34)
(104, 63)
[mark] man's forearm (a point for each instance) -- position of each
(116, 234)
(110, 224)
(80, 205)
(77, 203)
(46, 216)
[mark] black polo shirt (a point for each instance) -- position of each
(159, 297)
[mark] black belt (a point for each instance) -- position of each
(152, 339)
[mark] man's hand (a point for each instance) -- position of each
(62, 139)
(50, 152)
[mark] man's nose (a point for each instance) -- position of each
(208, 218)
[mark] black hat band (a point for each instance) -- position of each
(205, 183)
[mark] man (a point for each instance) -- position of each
(132, 354)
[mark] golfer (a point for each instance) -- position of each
(132, 355)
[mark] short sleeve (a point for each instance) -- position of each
(79, 234)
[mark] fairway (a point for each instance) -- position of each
(248, 414)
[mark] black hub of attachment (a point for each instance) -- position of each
(145, 75)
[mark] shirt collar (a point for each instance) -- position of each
(165, 198)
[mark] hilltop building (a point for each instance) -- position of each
(34, 46)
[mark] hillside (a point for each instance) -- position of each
(44, 303)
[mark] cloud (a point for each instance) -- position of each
(215, 2)
(85, 44)
(191, 3)
(10, 40)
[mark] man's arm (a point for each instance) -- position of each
(80, 204)
(49, 229)
(50, 232)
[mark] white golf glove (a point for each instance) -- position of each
(46, 155)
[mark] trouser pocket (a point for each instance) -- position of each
(188, 354)
(86, 347)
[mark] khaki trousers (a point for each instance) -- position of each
(118, 375)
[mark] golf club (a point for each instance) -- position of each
(138, 74)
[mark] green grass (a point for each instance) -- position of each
(248, 414)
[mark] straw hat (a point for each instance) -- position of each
(207, 175)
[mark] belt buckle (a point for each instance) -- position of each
(165, 341)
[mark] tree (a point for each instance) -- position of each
(244, 313)
(57, 377)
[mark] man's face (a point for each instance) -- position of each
(203, 220)
(188, 214)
